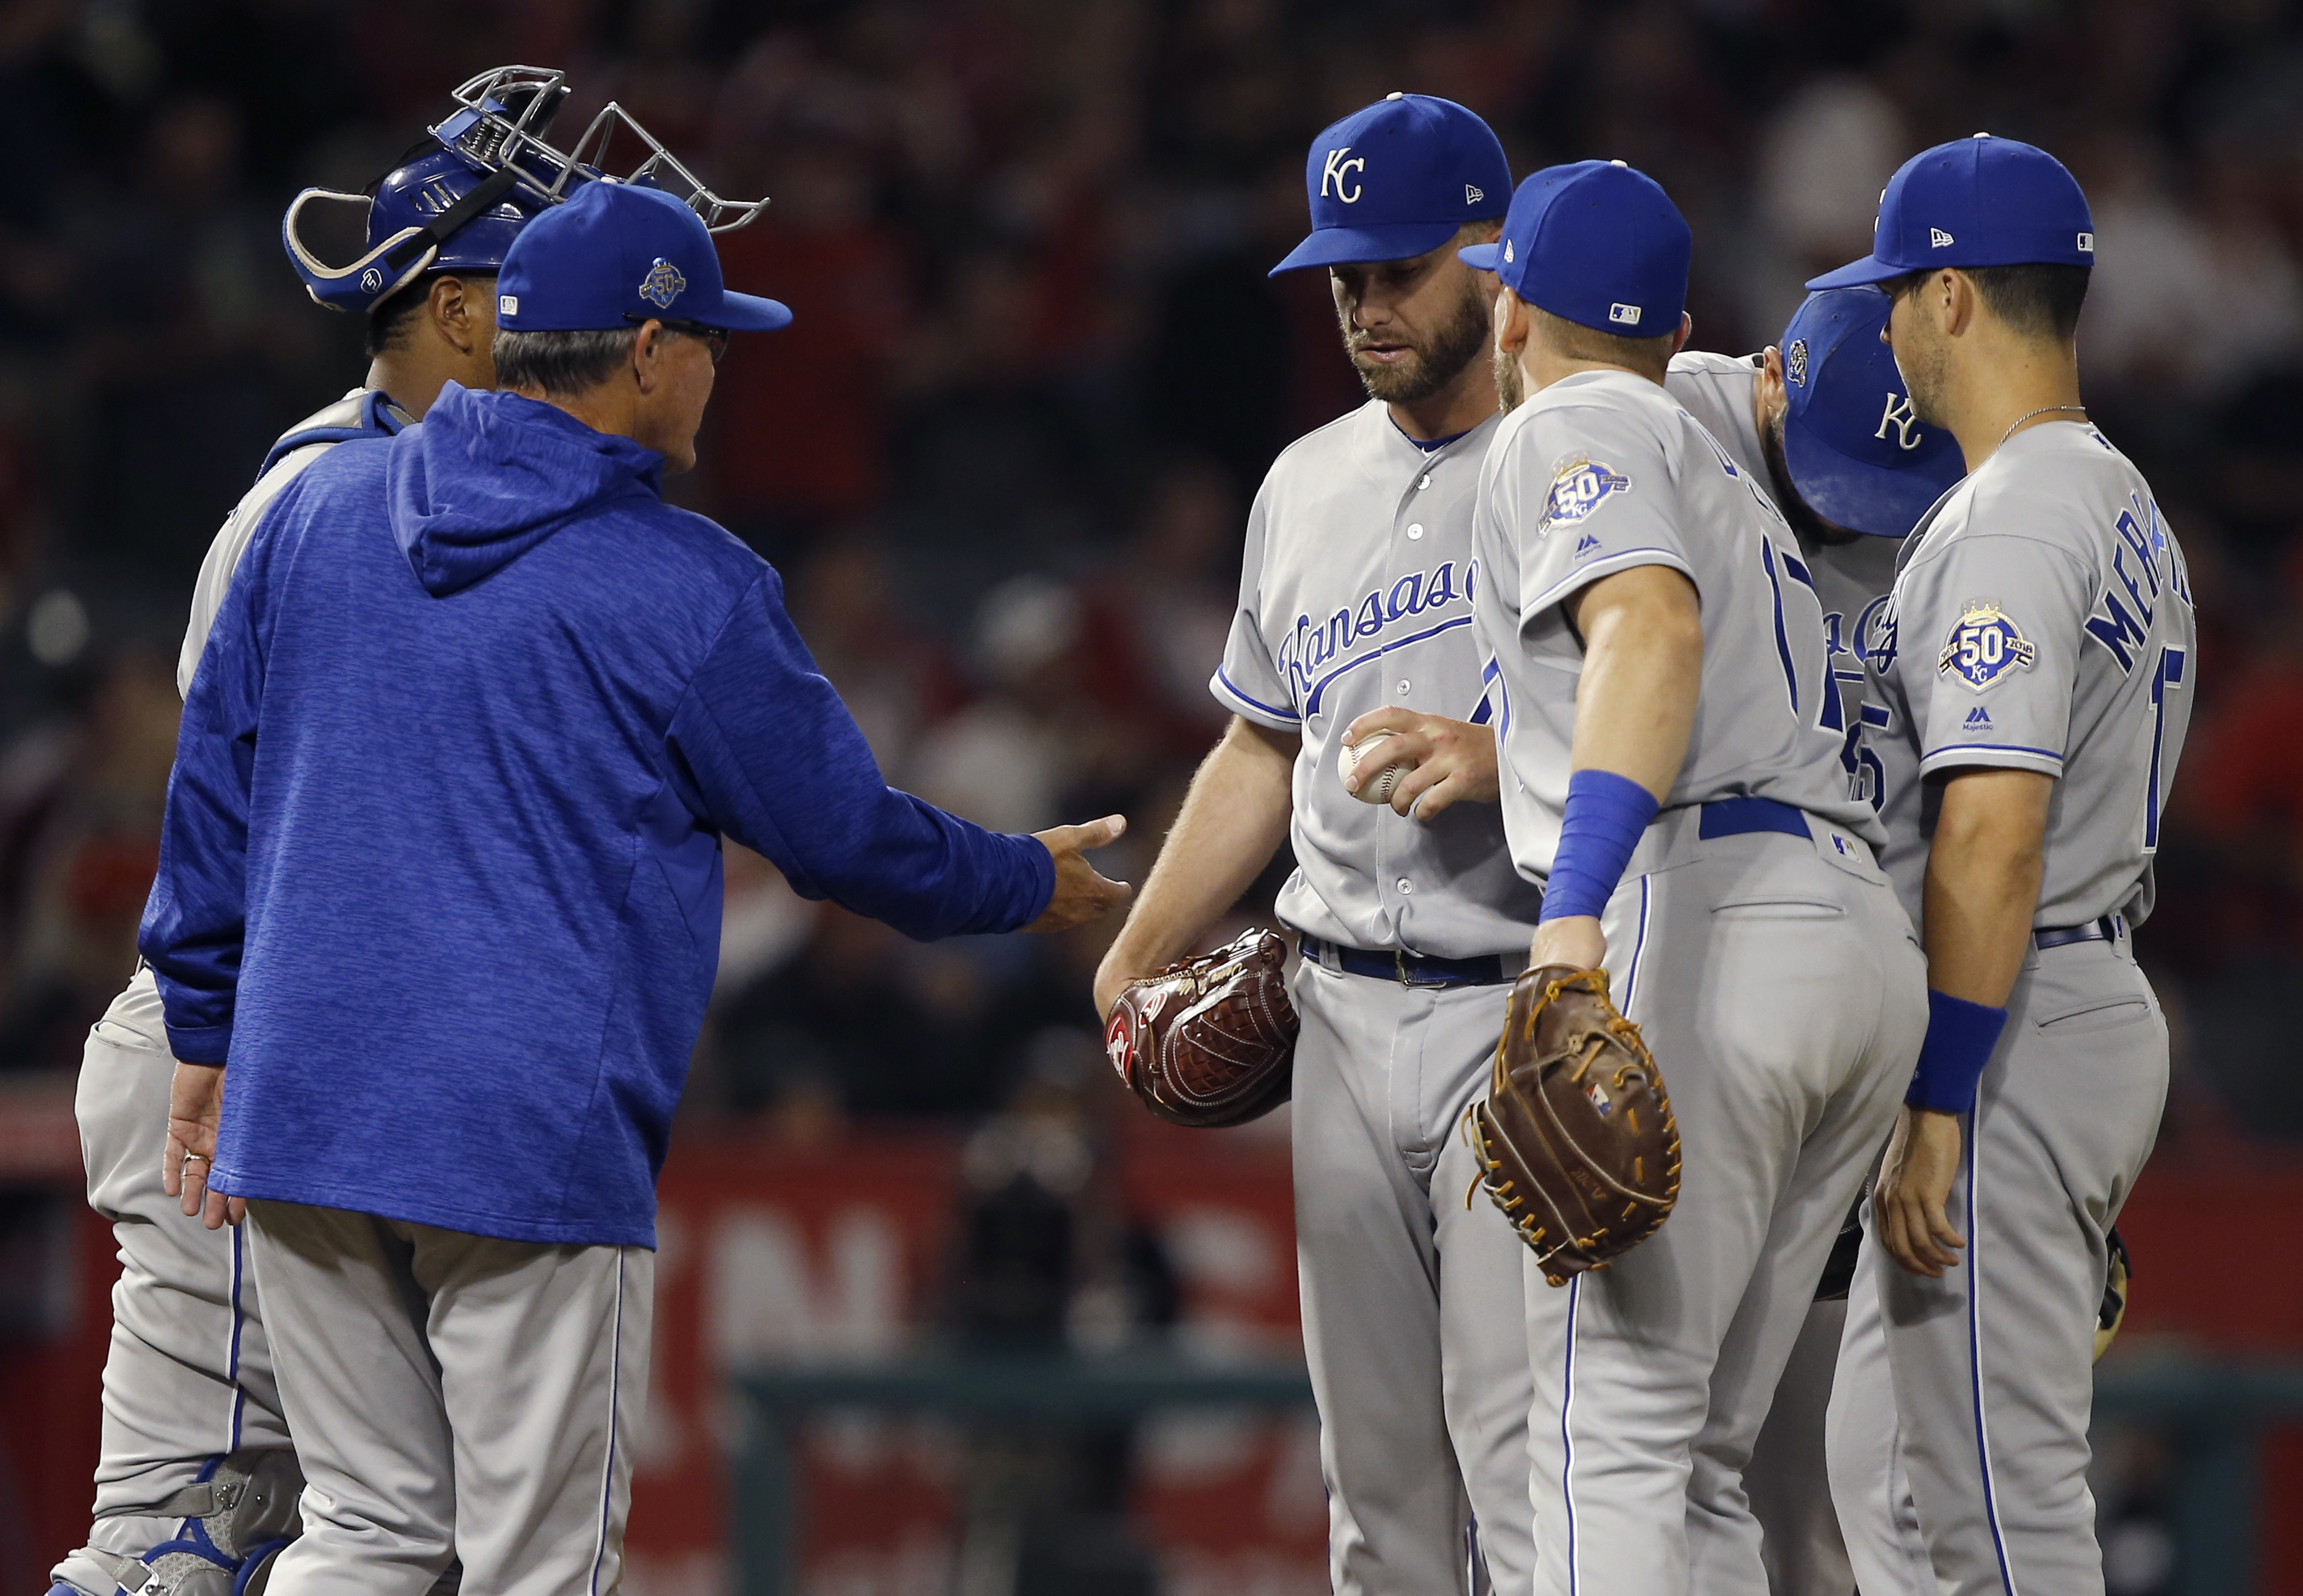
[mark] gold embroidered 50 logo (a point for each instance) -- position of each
(1984, 644)
(1579, 486)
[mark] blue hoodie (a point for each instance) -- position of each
(440, 876)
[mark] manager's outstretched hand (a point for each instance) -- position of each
(1081, 893)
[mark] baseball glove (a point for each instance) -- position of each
(1211, 1041)
(1575, 1141)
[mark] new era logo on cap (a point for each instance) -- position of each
(1937, 238)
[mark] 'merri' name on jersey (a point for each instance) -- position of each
(1605, 471)
(1306, 653)
(1355, 594)
(2042, 621)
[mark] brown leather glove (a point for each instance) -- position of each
(1575, 1141)
(1211, 1041)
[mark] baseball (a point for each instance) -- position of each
(1377, 788)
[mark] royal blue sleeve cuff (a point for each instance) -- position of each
(1600, 826)
(1961, 1038)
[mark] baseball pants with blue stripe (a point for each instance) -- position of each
(189, 1374)
(1781, 988)
(453, 1395)
(1987, 1373)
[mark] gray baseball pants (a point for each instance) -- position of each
(1411, 1296)
(1782, 990)
(1990, 1369)
(453, 1395)
(189, 1374)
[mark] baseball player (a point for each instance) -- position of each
(196, 1483)
(1821, 421)
(2029, 686)
(1671, 740)
(1356, 595)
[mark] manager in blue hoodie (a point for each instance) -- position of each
(440, 882)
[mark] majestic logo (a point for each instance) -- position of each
(1937, 237)
(1899, 416)
(1472, 194)
(1795, 361)
(1586, 544)
(1978, 719)
(2087, 243)
(663, 284)
(1628, 315)
(1984, 644)
(1336, 170)
(371, 280)
(1579, 486)
(507, 304)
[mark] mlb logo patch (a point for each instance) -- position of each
(1599, 1099)
(1579, 486)
(2087, 243)
(1984, 644)
(1626, 315)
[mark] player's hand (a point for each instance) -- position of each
(1454, 760)
(1574, 940)
(1907, 1204)
(1081, 893)
(195, 1109)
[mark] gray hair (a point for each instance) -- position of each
(561, 364)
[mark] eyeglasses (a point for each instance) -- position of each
(715, 339)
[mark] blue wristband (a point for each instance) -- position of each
(1961, 1036)
(1600, 825)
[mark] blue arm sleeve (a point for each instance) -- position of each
(781, 765)
(1598, 828)
(196, 919)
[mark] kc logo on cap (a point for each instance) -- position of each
(663, 284)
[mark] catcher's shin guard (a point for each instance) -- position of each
(237, 1516)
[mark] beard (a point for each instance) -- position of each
(1511, 382)
(1437, 359)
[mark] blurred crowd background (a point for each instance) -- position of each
(1003, 455)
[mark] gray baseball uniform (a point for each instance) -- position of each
(189, 1376)
(1356, 593)
(2042, 621)
(1788, 1477)
(1754, 940)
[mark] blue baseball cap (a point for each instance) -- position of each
(1856, 454)
(1596, 243)
(1974, 202)
(1397, 180)
(615, 254)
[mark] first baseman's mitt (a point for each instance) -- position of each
(1211, 1041)
(1575, 1141)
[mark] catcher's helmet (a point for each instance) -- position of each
(457, 201)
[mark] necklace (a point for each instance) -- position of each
(2042, 410)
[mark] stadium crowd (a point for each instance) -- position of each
(1004, 453)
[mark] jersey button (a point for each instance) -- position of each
(1423, 482)
(1416, 530)
(1406, 886)
(1403, 686)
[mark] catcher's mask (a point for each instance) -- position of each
(456, 199)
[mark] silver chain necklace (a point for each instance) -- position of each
(2042, 410)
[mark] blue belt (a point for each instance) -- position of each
(2109, 929)
(1415, 970)
(1732, 817)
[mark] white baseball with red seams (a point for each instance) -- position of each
(1377, 788)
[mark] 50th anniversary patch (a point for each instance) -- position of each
(1984, 644)
(1580, 485)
